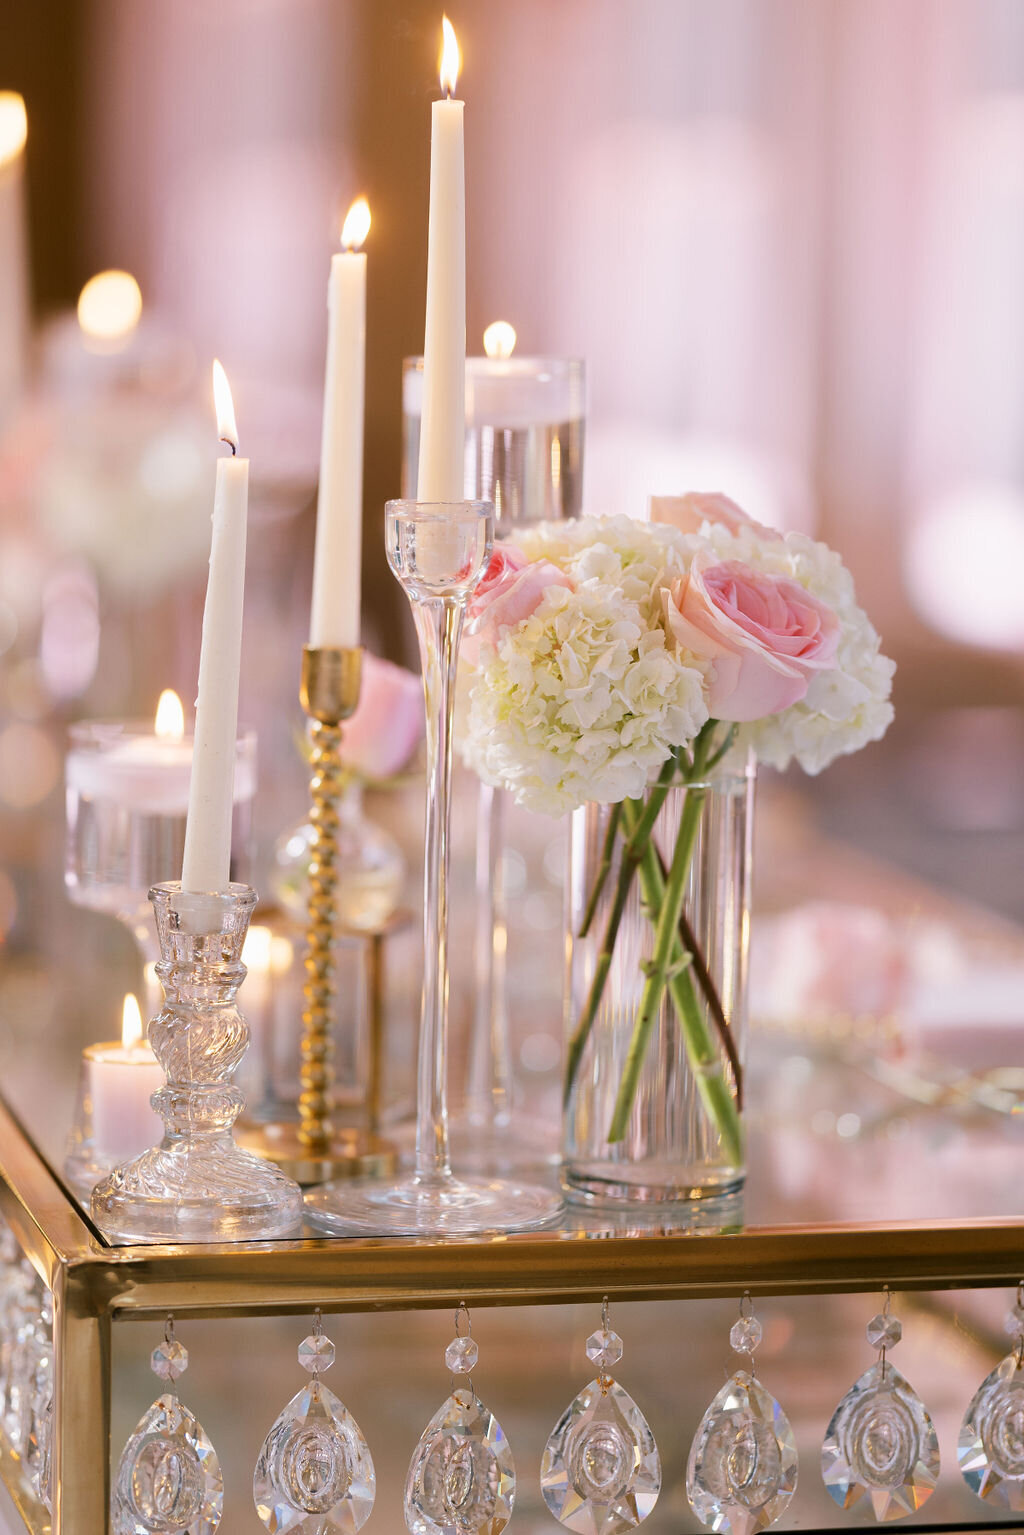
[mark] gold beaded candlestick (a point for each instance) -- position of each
(313, 1150)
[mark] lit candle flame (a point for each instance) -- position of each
(109, 306)
(500, 339)
(13, 126)
(131, 1022)
(169, 724)
(356, 226)
(227, 431)
(450, 58)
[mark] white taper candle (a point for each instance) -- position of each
(207, 861)
(334, 616)
(443, 428)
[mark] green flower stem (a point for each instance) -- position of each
(718, 1100)
(666, 956)
(632, 852)
(603, 868)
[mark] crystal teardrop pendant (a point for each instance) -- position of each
(881, 1443)
(990, 1450)
(462, 1480)
(742, 1469)
(315, 1475)
(169, 1477)
(601, 1471)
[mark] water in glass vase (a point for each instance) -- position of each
(653, 1104)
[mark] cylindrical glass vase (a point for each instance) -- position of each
(655, 1114)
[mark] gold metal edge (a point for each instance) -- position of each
(47, 1223)
(357, 1275)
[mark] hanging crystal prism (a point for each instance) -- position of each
(601, 1471)
(990, 1450)
(462, 1479)
(742, 1470)
(169, 1477)
(315, 1475)
(880, 1442)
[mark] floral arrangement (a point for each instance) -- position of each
(610, 659)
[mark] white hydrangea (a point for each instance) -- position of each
(586, 698)
(845, 707)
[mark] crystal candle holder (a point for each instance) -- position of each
(524, 435)
(438, 553)
(198, 1185)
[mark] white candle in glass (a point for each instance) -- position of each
(121, 1079)
(442, 430)
(207, 861)
(13, 251)
(334, 616)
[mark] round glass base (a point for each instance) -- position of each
(418, 1207)
(202, 1194)
(652, 1182)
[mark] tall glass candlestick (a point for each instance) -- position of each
(523, 450)
(438, 552)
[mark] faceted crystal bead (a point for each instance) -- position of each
(881, 1443)
(316, 1353)
(742, 1469)
(169, 1360)
(1014, 1323)
(315, 1473)
(604, 1348)
(745, 1334)
(461, 1355)
(461, 1479)
(990, 1450)
(884, 1331)
(169, 1477)
(601, 1471)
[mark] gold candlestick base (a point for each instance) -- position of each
(313, 1151)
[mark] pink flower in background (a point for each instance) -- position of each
(689, 512)
(388, 724)
(510, 590)
(764, 635)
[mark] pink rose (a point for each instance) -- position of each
(764, 635)
(688, 512)
(509, 591)
(387, 726)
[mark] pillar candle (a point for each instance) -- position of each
(442, 430)
(334, 617)
(207, 861)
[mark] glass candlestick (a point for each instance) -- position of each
(197, 1185)
(438, 554)
(525, 420)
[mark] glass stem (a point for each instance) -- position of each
(489, 1076)
(438, 626)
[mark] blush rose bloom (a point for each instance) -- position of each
(765, 636)
(687, 513)
(510, 590)
(388, 722)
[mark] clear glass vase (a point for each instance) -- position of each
(653, 1112)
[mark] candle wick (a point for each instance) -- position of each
(233, 446)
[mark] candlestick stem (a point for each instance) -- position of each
(438, 552)
(314, 1150)
(439, 628)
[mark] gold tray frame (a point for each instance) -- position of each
(94, 1284)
